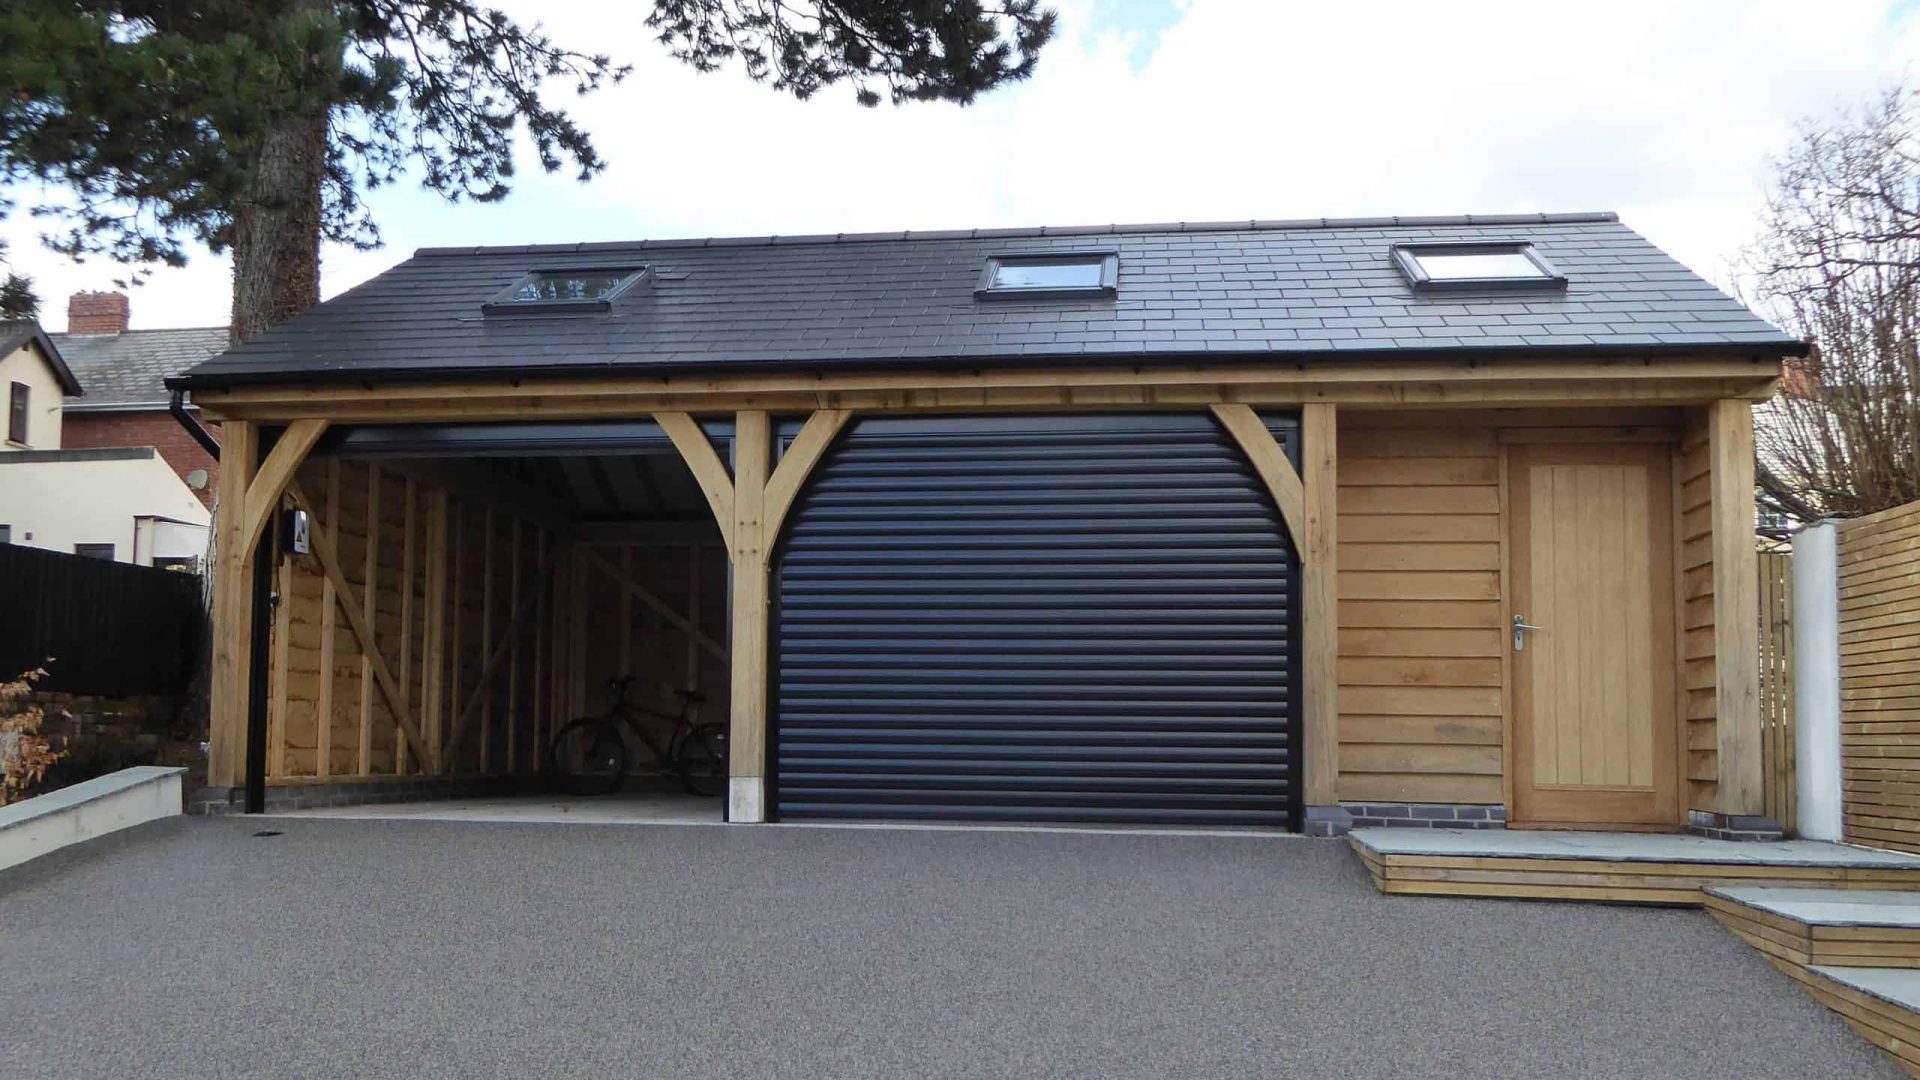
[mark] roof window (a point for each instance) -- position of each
(1501, 264)
(579, 289)
(1054, 274)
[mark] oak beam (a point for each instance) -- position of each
(1320, 607)
(1736, 608)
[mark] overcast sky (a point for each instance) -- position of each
(1168, 110)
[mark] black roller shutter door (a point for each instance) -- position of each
(1085, 618)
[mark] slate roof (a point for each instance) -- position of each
(129, 370)
(17, 332)
(1315, 289)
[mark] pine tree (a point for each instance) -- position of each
(17, 298)
(256, 126)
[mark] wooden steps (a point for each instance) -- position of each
(1844, 928)
(1882, 1004)
(1633, 868)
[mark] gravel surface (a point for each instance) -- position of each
(191, 948)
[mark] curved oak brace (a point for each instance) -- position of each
(1275, 470)
(1308, 507)
(797, 464)
(708, 470)
(263, 494)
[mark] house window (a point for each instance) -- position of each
(94, 551)
(585, 289)
(1511, 264)
(17, 404)
(1065, 274)
(6, 534)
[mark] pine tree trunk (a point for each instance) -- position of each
(276, 227)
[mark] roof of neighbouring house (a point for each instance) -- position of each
(1313, 289)
(129, 370)
(17, 332)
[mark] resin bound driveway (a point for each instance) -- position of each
(191, 948)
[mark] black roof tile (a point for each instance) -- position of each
(1298, 289)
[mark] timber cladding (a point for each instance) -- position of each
(1880, 677)
(488, 630)
(456, 600)
(1693, 533)
(1423, 640)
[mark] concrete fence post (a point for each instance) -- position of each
(1816, 680)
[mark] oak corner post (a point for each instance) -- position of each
(1736, 608)
(1320, 609)
(232, 608)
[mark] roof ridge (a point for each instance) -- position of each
(146, 330)
(1248, 225)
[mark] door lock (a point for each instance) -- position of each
(1520, 628)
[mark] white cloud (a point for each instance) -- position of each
(1664, 111)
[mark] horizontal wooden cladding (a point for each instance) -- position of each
(1880, 678)
(1699, 673)
(1420, 648)
(390, 625)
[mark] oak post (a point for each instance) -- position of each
(232, 607)
(1736, 608)
(1319, 608)
(747, 729)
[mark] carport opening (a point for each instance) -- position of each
(510, 576)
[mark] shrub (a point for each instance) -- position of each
(25, 754)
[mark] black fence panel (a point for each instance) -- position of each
(111, 628)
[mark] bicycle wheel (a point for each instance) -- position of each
(700, 757)
(589, 757)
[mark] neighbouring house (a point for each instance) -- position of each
(1283, 523)
(123, 373)
(63, 491)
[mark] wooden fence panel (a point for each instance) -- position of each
(1880, 678)
(112, 628)
(1776, 685)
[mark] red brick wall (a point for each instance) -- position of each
(155, 428)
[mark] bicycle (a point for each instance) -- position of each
(589, 756)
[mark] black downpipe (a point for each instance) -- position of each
(258, 655)
(178, 407)
(265, 553)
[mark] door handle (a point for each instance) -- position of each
(1520, 628)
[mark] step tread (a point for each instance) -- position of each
(1899, 987)
(1829, 907)
(1625, 848)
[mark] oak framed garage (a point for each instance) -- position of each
(759, 363)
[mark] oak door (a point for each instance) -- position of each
(1591, 548)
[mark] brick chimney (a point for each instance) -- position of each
(97, 313)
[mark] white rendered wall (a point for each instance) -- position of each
(25, 365)
(57, 504)
(1816, 681)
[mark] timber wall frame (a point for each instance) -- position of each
(750, 496)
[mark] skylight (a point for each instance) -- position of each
(1506, 264)
(1055, 274)
(580, 289)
